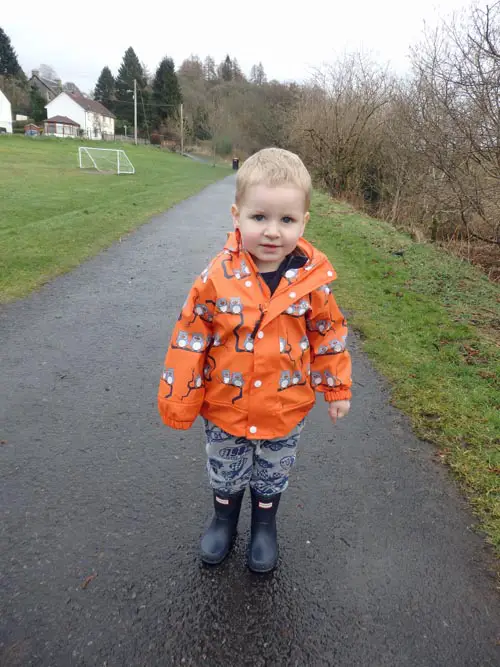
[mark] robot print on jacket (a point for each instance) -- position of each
(234, 379)
(168, 377)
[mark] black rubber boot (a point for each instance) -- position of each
(218, 539)
(263, 551)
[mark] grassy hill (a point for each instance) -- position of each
(430, 323)
(54, 215)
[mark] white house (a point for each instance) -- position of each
(92, 118)
(5, 115)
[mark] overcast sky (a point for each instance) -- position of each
(78, 39)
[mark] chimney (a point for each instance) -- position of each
(35, 72)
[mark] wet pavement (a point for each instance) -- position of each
(102, 507)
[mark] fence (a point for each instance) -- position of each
(125, 138)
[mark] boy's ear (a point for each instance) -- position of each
(235, 215)
(306, 220)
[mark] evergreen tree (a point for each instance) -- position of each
(38, 112)
(9, 65)
(237, 74)
(130, 69)
(166, 91)
(105, 89)
(148, 77)
(225, 69)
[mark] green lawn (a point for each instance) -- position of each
(430, 322)
(54, 215)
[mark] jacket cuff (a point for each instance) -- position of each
(173, 423)
(339, 395)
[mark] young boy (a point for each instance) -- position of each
(258, 335)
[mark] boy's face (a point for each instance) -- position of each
(271, 221)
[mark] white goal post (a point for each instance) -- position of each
(111, 160)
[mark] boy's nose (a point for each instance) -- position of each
(272, 231)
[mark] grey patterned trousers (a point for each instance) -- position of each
(235, 462)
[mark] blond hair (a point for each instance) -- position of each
(273, 167)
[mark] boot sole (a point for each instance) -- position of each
(217, 561)
(210, 561)
(262, 570)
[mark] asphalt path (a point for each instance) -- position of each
(102, 507)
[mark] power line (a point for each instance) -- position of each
(147, 104)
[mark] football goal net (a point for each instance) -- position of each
(106, 160)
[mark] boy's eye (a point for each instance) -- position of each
(287, 219)
(258, 217)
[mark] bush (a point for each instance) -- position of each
(224, 146)
(156, 139)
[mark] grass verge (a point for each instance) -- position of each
(430, 323)
(54, 216)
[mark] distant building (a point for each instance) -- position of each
(48, 89)
(5, 115)
(32, 130)
(90, 116)
(61, 126)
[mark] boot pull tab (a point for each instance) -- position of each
(265, 506)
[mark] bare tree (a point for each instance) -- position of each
(217, 117)
(337, 123)
(48, 72)
(458, 117)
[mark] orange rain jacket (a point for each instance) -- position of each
(250, 362)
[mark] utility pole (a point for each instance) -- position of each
(135, 112)
(182, 128)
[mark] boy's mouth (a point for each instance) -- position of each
(269, 246)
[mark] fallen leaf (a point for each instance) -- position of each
(88, 579)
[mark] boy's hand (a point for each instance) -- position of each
(338, 409)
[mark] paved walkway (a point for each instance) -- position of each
(378, 563)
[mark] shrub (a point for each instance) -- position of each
(224, 146)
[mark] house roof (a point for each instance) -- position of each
(91, 105)
(62, 119)
(53, 86)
